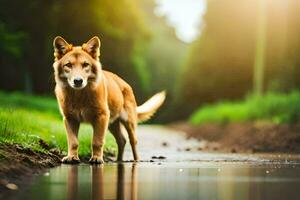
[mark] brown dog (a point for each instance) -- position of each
(86, 93)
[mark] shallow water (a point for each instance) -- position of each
(182, 175)
(168, 180)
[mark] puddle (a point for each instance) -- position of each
(183, 180)
(180, 175)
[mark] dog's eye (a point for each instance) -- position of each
(69, 65)
(85, 64)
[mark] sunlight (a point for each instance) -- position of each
(185, 16)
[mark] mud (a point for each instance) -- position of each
(244, 137)
(19, 164)
(17, 160)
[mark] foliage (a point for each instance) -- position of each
(273, 107)
(26, 119)
(117, 24)
(11, 42)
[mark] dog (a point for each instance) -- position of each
(86, 93)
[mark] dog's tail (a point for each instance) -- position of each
(147, 109)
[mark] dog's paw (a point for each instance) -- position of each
(70, 160)
(96, 160)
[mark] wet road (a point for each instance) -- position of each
(182, 175)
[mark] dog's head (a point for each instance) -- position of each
(77, 66)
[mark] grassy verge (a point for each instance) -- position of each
(272, 107)
(26, 119)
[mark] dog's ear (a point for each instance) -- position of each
(92, 47)
(61, 47)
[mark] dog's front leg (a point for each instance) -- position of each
(72, 127)
(100, 126)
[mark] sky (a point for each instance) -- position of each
(184, 15)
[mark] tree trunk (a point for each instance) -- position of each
(259, 62)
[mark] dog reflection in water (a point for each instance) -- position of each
(98, 189)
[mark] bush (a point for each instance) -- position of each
(273, 107)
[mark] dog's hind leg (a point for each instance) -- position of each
(131, 127)
(115, 129)
(129, 120)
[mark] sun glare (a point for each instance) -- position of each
(184, 16)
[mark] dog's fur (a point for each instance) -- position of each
(101, 98)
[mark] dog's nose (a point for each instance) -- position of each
(78, 81)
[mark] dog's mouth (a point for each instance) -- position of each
(77, 87)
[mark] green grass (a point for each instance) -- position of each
(272, 107)
(26, 119)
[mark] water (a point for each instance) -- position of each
(182, 175)
(169, 180)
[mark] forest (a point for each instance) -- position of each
(242, 46)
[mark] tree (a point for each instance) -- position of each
(119, 29)
(259, 60)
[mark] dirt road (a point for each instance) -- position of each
(174, 147)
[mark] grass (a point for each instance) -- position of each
(272, 107)
(26, 119)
